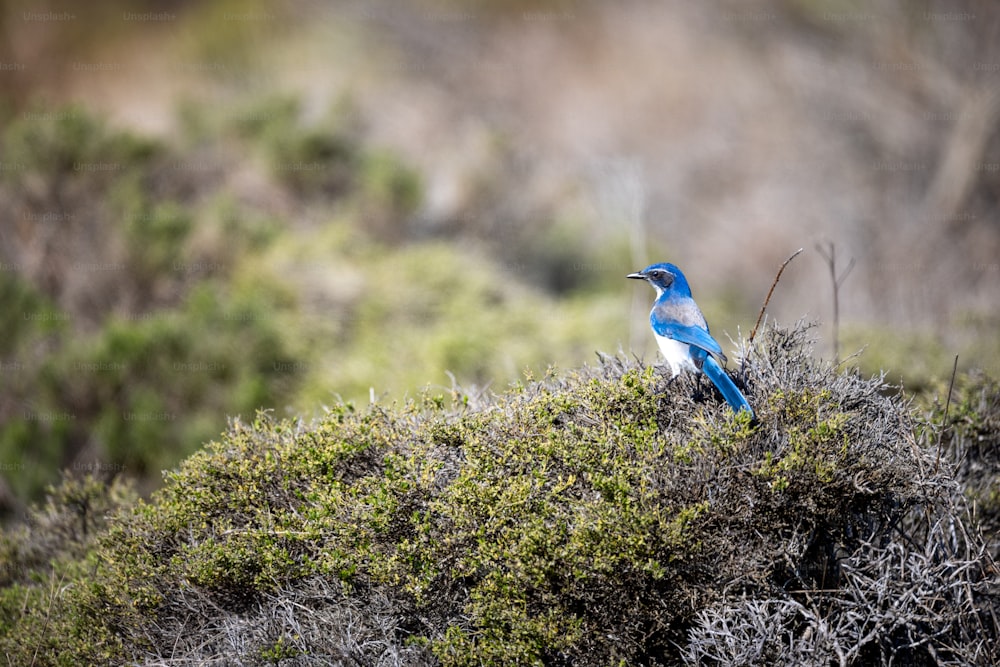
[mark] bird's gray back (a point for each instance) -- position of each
(681, 311)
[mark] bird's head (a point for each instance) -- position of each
(664, 277)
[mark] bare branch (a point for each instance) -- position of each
(830, 255)
(767, 300)
(944, 419)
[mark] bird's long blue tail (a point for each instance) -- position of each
(730, 392)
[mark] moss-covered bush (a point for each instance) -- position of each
(610, 516)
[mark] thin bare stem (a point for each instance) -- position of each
(944, 419)
(769, 293)
(830, 255)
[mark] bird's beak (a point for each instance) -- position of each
(637, 276)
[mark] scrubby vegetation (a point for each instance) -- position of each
(299, 187)
(348, 203)
(152, 297)
(969, 435)
(605, 516)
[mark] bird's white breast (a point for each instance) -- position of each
(677, 354)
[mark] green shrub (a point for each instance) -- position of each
(917, 359)
(426, 311)
(146, 392)
(31, 318)
(62, 529)
(54, 143)
(311, 159)
(611, 516)
(390, 193)
(69, 164)
(147, 235)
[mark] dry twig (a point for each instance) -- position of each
(769, 292)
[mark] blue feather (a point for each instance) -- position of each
(694, 336)
(682, 332)
(725, 386)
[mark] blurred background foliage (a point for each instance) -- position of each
(206, 208)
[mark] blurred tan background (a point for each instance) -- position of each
(403, 195)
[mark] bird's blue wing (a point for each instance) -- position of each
(681, 320)
(729, 391)
(692, 335)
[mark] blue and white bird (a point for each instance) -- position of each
(682, 332)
